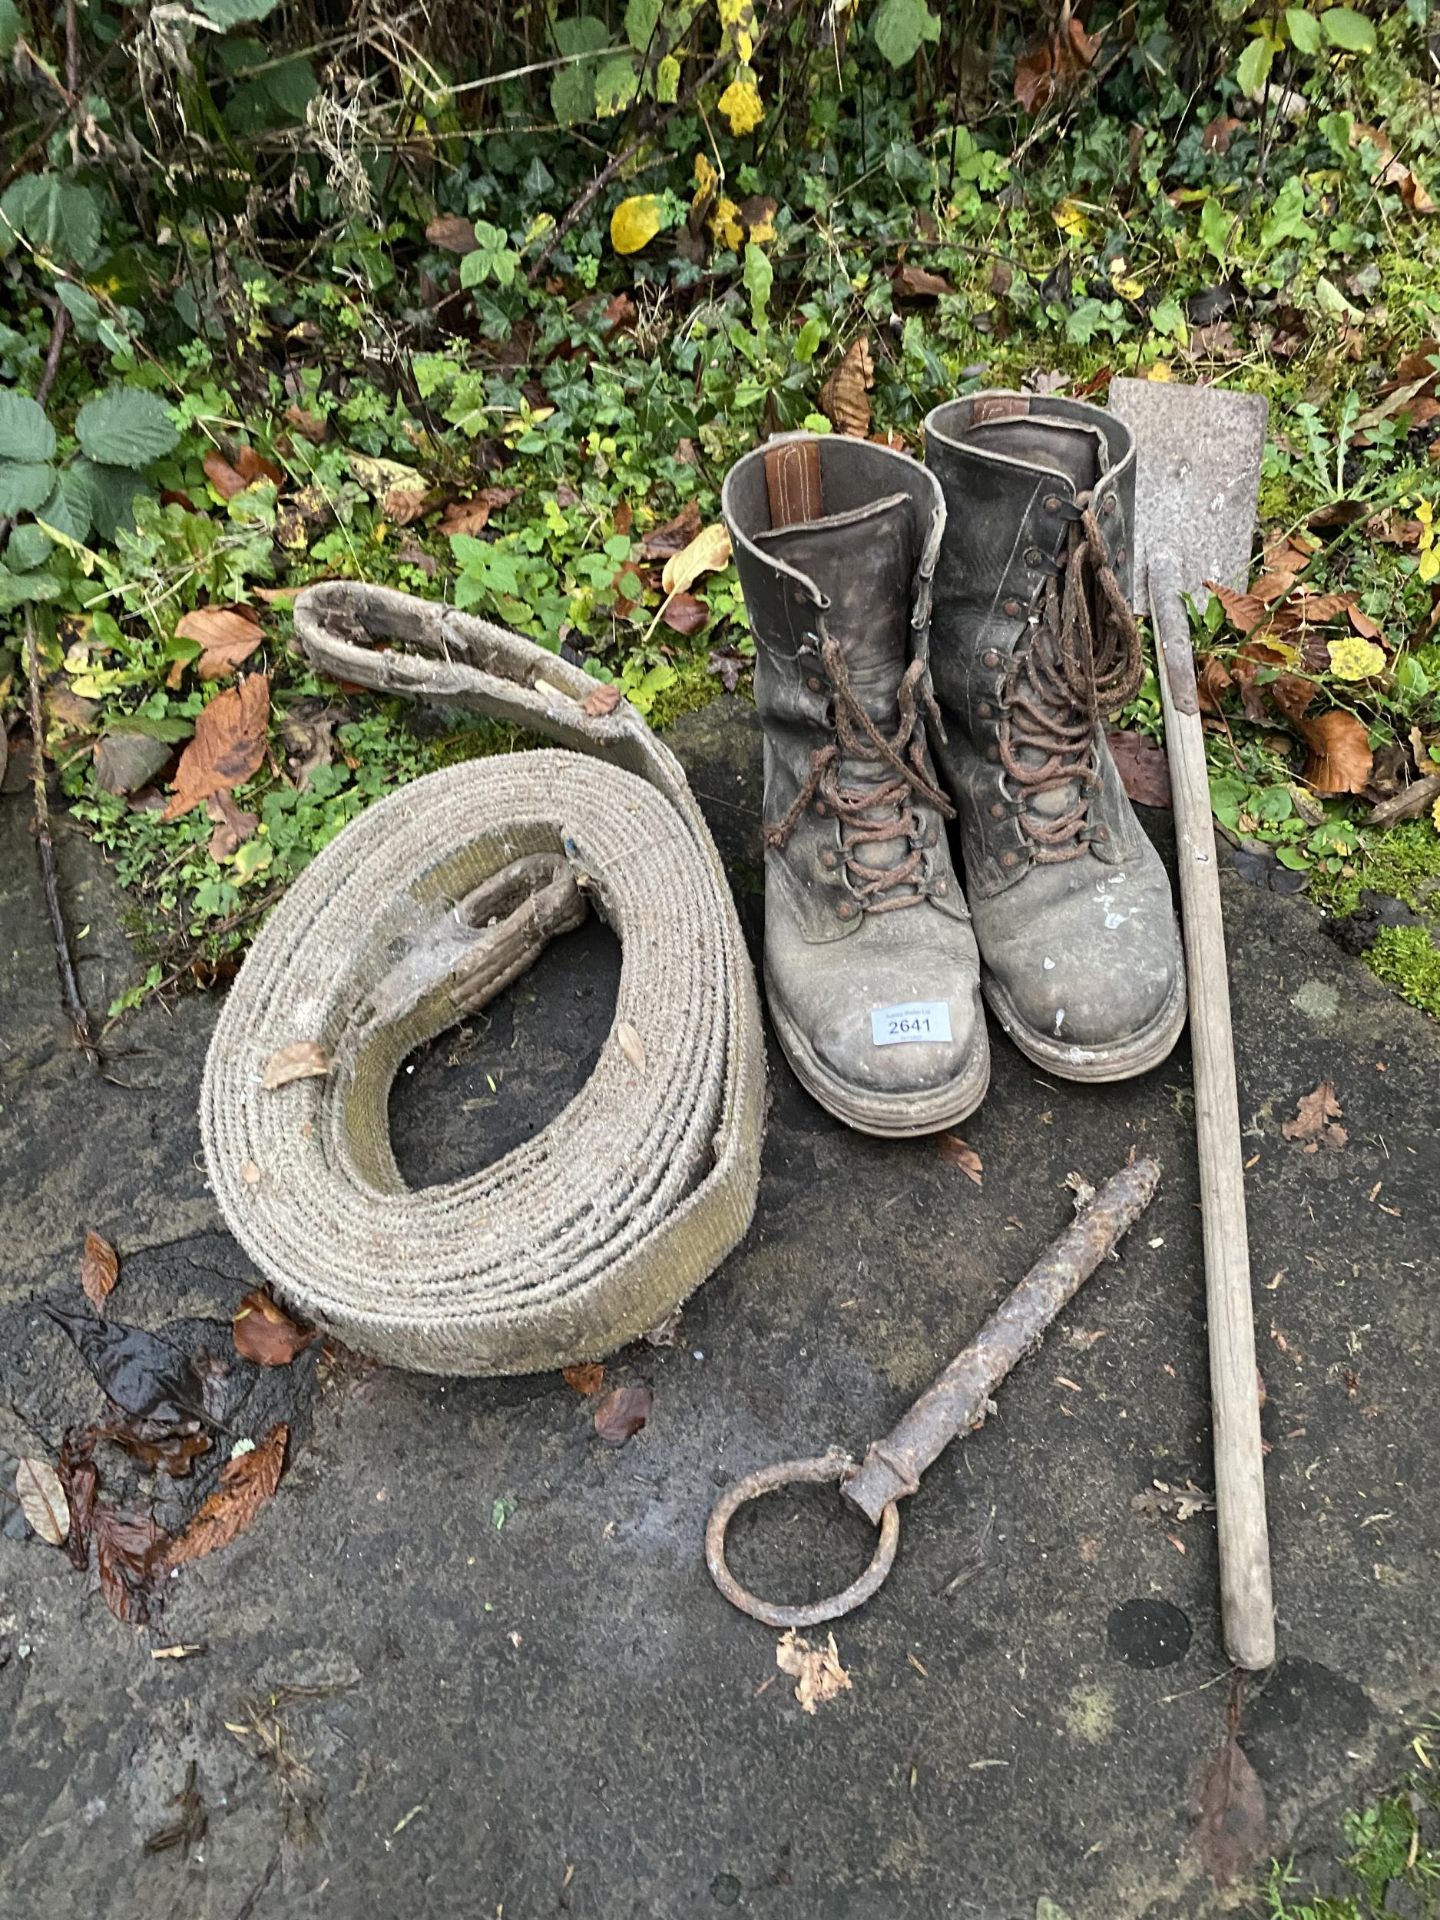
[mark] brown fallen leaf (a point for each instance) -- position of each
(918, 283)
(630, 1044)
(265, 1334)
(1244, 611)
(233, 825)
(229, 477)
(684, 614)
(954, 1152)
(227, 635)
(817, 1671)
(42, 1500)
(125, 760)
(402, 506)
(845, 396)
(99, 1269)
(602, 698)
(674, 536)
(313, 427)
(244, 1486)
(1231, 1826)
(301, 1060)
(1339, 759)
(473, 515)
(1051, 70)
(453, 232)
(1144, 771)
(622, 1413)
(129, 1557)
(228, 747)
(1316, 1115)
(157, 1452)
(584, 1379)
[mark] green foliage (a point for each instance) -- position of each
(1408, 959)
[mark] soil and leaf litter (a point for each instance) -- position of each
(497, 344)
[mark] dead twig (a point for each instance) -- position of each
(69, 985)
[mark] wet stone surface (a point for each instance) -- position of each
(469, 1660)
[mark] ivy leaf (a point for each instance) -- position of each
(901, 27)
(25, 434)
(233, 13)
(1255, 64)
(24, 485)
(641, 18)
(125, 427)
(572, 91)
(1286, 219)
(1304, 30)
(1345, 28)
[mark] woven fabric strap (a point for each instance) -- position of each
(422, 909)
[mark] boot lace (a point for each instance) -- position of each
(1078, 668)
(893, 794)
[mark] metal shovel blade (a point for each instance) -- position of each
(1198, 455)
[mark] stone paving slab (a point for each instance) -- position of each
(557, 1714)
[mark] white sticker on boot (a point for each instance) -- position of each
(917, 1020)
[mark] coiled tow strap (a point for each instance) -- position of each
(423, 909)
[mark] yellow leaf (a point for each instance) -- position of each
(1435, 814)
(1355, 659)
(763, 230)
(667, 81)
(1071, 219)
(740, 104)
(1160, 370)
(1429, 568)
(725, 223)
(705, 175)
(635, 222)
(708, 552)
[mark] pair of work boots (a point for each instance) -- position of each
(943, 643)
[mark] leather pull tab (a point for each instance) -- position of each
(792, 478)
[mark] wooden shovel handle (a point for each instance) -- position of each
(1247, 1607)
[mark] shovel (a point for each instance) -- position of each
(1196, 490)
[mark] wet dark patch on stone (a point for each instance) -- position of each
(1148, 1633)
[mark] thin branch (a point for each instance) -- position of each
(65, 966)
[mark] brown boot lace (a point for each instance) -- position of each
(858, 738)
(1059, 687)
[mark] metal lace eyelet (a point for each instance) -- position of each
(932, 838)
(829, 859)
(1053, 503)
(1012, 610)
(1034, 557)
(984, 709)
(1010, 859)
(941, 888)
(845, 910)
(815, 683)
(990, 658)
(1100, 833)
(992, 752)
(1122, 554)
(998, 810)
(1109, 505)
(822, 809)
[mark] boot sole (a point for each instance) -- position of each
(888, 1116)
(1137, 1055)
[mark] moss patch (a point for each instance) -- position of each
(1407, 959)
(1404, 863)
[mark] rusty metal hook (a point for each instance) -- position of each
(833, 1466)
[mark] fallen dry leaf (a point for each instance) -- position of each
(243, 1488)
(817, 1671)
(228, 747)
(313, 427)
(1339, 759)
(845, 396)
(918, 283)
(453, 232)
(1231, 1828)
(583, 1379)
(129, 1557)
(684, 614)
(630, 1044)
(473, 515)
(227, 635)
(954, 1152)
(301, 1060)
(229, 477)
(602, 698)
(1144, 771)
(99, 1269)
(622, 1413)
(1049, 71)
(1316, 1115)
(125, 760)
(233, 825)
(42, 1500)
(1244, 611)
(404, 505)
(708, 552)
(157, 1451)
(146, 1375)
(265, 1334)
(674, 536)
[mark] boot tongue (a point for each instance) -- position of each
(864, 564)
